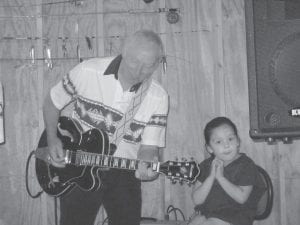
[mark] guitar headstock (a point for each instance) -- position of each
(187, 171)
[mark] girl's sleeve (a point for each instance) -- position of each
(247, 174)
(204, 170)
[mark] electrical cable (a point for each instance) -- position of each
(171, 208)
(40, 192)
(55, 211)
(181, 213)
(26, 177)
(104, 221)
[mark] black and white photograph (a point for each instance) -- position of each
(149, 112)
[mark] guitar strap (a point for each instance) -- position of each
(124, 123)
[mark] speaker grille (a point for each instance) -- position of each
(273, 50)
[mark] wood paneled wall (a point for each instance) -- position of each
(206, 77)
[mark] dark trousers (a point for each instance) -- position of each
(120, 195)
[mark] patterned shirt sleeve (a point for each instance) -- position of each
(155, 130)
(63, 92)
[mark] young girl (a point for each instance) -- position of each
(230, 185)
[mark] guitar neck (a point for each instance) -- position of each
(81, 158)
(182, 171)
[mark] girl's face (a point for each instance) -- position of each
(224, 144)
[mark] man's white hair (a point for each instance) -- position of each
(143, 37)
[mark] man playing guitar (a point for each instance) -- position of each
(118, 96)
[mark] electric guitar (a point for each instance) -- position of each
(86, 155)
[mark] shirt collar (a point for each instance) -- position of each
(113, 68)
(135, 87)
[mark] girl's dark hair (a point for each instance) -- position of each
(216, 122)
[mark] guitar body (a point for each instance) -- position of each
(57, 181)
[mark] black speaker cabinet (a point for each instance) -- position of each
(273, 53)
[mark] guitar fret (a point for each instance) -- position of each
(105, 161)
(81, 161)
(123, 163)
(102, 160)
(85, 159)
(77, 161)
(93, 159)
(88, 159)
(110, 161)
(132, 164)
(97, 160)
(115, 162)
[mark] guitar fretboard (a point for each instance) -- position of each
(81, 158)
